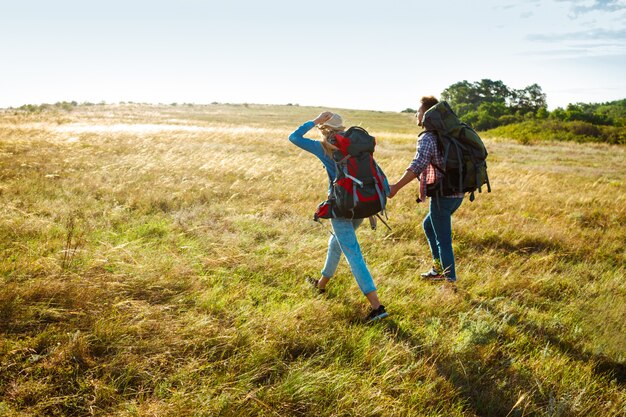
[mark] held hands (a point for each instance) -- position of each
(407, 177)
(393, 189)
(323, 117)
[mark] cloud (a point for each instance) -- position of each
(526, 15)
(580, 7)
(578, 54)
(585, 35)
(504, 7)
(593, 42)
(556, 53)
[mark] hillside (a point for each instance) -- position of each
(152, 261)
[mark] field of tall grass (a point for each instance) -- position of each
(152, 262)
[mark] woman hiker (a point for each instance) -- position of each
(344, 239)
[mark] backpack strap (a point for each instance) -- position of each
(355, 180)
(374, 219)
(477, 179)
(460, 157)
(380, 195)
(384, 222)
(345, 172)
(343, 160)
(317, 220)
(446, 154)
(442, 149)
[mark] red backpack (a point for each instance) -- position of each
(360, 189)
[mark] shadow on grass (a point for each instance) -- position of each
(477, 379)
(525, 244)
(602, 365)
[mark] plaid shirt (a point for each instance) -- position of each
(426, 156)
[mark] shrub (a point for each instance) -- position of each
(550, 129)
(508, 119)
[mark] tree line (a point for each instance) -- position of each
(488, 104)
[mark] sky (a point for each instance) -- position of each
(358, 54)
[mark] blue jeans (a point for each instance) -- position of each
(344, 240)
(438, 228)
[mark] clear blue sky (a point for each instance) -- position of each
(354, 54)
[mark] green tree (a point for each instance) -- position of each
(462, 96)
(528, 100)
(542, 113)
(492, 91)
(489, 100)
(493, 109)
(558, 114)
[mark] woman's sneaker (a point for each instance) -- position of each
(313, 282)
(376, 314)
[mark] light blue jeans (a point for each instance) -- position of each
(438, 228)
(344, 240)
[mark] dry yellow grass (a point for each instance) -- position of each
(152, 258)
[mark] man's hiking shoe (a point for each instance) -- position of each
(433, 275)
(376, 314)
(313, 283)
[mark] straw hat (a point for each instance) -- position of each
(335, 122)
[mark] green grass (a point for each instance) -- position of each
(152, 262)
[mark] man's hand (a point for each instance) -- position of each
(406, 178)
(393, 189)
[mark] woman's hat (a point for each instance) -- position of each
(335, 122)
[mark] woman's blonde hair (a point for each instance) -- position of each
(328, 133)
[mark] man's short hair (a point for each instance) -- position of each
(428, 101)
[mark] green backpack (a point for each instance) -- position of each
(464, 154)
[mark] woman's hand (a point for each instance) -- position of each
(323, 117)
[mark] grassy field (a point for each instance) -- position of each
(152, 262)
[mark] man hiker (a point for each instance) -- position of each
(437, 223)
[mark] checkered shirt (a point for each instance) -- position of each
(422, 166)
